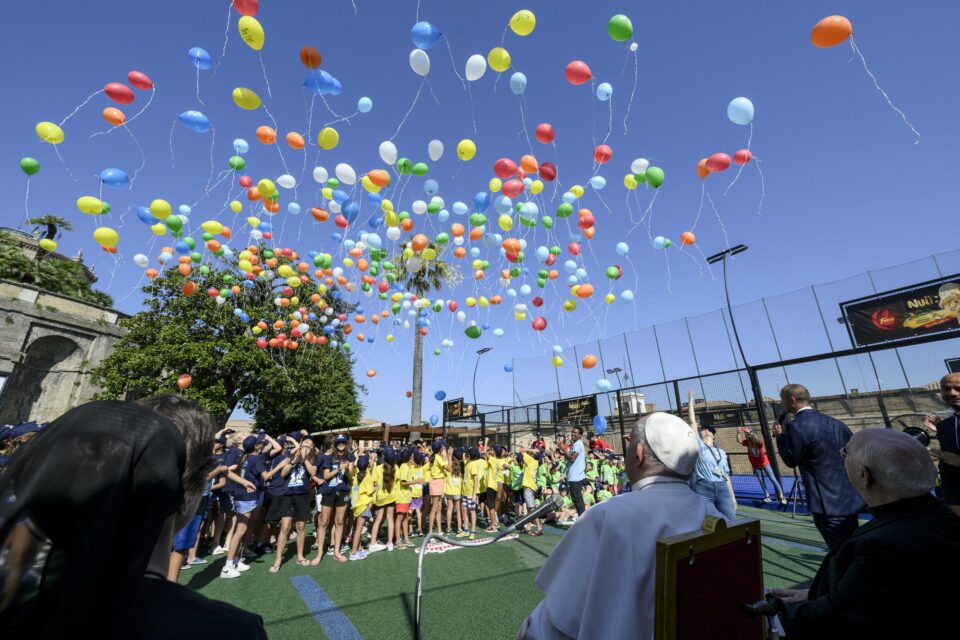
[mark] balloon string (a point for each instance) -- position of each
(696, 220)
(430, 86)
(453, 63)
(80, 106)
(695, 261)
(523, 119)
(173, 158)
(740, 170)
(669, 277)
(226, 37)
(610, 121)
(417, 19)
(327, 105)
(265, 79)
(473, 116)
(593, 105)
(153, 92)
(719, 219)
(763, 188)
(903, 116)
(143, 156)
(26, 204)
(636, 69)
(199, 99)
(407, 115)
(213, 139)
(649, 210)
(704, 256)
(63, 162)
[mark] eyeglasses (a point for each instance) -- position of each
(843, 452)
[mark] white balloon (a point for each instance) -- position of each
(141, 260)
(639, 165)
(458, 241)
(634, 46)
(413, 265)
(461, 316)
(420, 62)
(393, 233)
(419, 207)
(286, 181)
(345, 173)
(320, 174)
(334, 207)
(435, 150)
(256, 234)
(388, 152)
(437, 200)
(476, 67)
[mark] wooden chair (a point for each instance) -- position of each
(704, 578)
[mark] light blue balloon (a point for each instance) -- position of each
(604, 91)
(424, 35)
(518, 83)
(626, 295)
(227, 253)
(200, 58)
(474, 252)
(604, 385)
(349, 244)
(599, 425)
(503, 204)
(322, 83)
(570, 266)
(293, 208)
(434, 420)
(623, 248)
(598, 182)
(523, 242)
(582, 273)
(196, 121)
(443, 215)
(569, 198)
(489, 240)
(374, 241)
(460, 208)
(542, 253)
(557, 349)
(240, 145)
(364, 105)
(529, 210)
(573, 279)
(740, 111)
(430, 187)
(116, 178)
(512, 293)
(659, 242)
(527, 182)
(498, 332)
(525, 290)
(508, 368)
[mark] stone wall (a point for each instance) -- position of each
(48, 344)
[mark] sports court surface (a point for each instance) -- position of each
(373, 598)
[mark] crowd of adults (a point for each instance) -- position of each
(101, 511)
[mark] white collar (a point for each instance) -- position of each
(803, 409)
(643, 483)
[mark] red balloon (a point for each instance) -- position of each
(574, 248)
(512, 188)
(539, 323)
(184, 380)
(718, 162)
(550, 260)
(537, 301)
(743, 156)
(585, 221)
(578, 72)
(504, 168)
(341, 222)
(246, 7)
(602, 153)
(246, 182)
(119, 92)
(452, 305)
(140, 80)
(545, 133)
(548, 171)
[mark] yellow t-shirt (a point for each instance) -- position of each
(505, 475)
(438, 467)
(469, 476)
(481, 472)
(382, 496)
(416, 474)
(362, 491)
(494, 473)
(530, 466)
(404, 474)
(452, 486)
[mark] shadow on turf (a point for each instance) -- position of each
(211, 570)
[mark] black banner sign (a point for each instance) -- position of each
(577, 411)
(953, 365)
(456, 410)
(718, 419)
(918, 310)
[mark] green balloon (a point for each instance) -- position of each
(478, 219)
(541, 282)
(190, 242)
(374, 270)
(333, 183)
(387, 265)
(528, 222)
(555, 250)
(268, 253)
(174, 223)
(564, 210)
(227, 279)
(436, 352)
(106, 207)
(383, 296)
(613, 273)
(442, 238)
(433, 207)
(237, 163)
(640, 177)
(29, 165)
(365, 287)
(547, 222)
(515, 272)
(473, 332)
(391, 277)
(437, 307)
(207, 236)
(404, 166)
(420, 169)
(273, 197)
(654, 176)
(542, 274)
(403, 215)
(196, 256)
(516, 207)
(620, 28)
(204, 270)
(395, 309)
(485, 265)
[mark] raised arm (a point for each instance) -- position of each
(691, 414)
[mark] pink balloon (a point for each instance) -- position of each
(718, 162)
(578, 72)
(743, 156)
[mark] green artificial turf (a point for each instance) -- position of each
(376, 594)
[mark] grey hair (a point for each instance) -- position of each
(652, 465)
(899, 463)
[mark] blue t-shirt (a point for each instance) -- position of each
(712, 464)
(577, 470)
(338, 482)
(251, 469)
(277, 484)
(230, 457)
(298, 481)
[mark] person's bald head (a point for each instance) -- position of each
(886, 466)
(950, 390)
(794, 397)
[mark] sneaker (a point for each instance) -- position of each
(783, 501)
(462, 534)
(767, 499)
(185, 567)
(242, 566)
(249, 554)
(390, 546)
(357, 556)
(229, 572)
(197, 561)
(373, 548)
(329, 551)
(471, 536)
(218, 550)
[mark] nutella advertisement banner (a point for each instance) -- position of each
(911, 312)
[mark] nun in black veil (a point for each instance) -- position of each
(88, 509)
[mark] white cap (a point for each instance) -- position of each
(672, 441)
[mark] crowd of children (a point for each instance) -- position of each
(364, 500)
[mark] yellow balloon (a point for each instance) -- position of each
(574, 289)
(348, 262)
(321, 289)
(160, 209)
(293, 282)
(536, 187)
(368, 185)
(629, 181)
(386, 206)
(90, 205)
(483, 301)
(577, 190)
(253, 222)
(495, 184)
(557, 361)
(285, 271)
(235, 206)
(569, 305)
(428, 254)
(106, 237)
(266, 188)
(498, 59)
(328, 138)
(212, 226)
(327, 193)
(505, 222)
(50, 132)
(466, 149)
(407, 252)
(389, 337)
(391, 218)
(246, 266)
(471, 302)
(519, 316)
(397, 297)
(523, 22)
(246, 98)
(252, 32)
(477, 264)
(48, 245)
(609, 298)
(159, 229)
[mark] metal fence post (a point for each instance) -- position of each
(509, 430)
(764, 425)
(623, 436)
(483, 426)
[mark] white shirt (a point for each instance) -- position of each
(599, 582)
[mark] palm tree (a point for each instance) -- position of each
(431, 276)
(50, 225)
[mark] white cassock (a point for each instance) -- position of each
(599, 581)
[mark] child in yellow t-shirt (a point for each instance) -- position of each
(361, 497)
(404, 497)
(438, 463)
(386, 488)
(471, 488)
(416, 490)
(452, 490)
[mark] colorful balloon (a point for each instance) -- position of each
(49, 132)
(424, 35)
(106, 237)
(718, 162)
(246, 7)
(115, 178)
(702, 170)
(499, 59)
(420, 62)
(246, 98)
(518, 83)
(140, 80)
(251, 31)
(310, 57)
(29, 165)
(523, 22)
(364, 105)
(604, 91)
(466, 149)
(545, 133)
(114, 116)
(831, 31)
(328, 138)
(619, 28)
(90, 205)
(476, 67)
(743, 156)
(196, 121)
(740, 111)
(200, 58)
(184, 380)
(435, 150)
(589, 361)
(578, 72)
(654, 177)
(602, 154)
(687, 238)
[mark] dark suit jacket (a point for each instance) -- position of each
(897, 572)
(813, 442)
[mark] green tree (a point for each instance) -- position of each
(179, 334)
(50, 225)
(431, 276)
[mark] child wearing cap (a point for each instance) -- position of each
(451, 490)
(604, 493)
(362, 490)
(404, 498)
(516, 484)
(386, 489)
(493, 475)
(471, 488)
(249, 465)
(417, 466)
(438, 471)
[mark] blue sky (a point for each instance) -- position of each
(846, 189)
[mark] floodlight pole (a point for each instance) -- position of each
(476, 407)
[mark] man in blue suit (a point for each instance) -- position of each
(812, 442)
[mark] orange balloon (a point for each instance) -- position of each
(266, 135)
(496, 299)
(185, 270)
(553, 274)
(295, 140)
(355, 252)
(687, 238)
(213, 245)
(476, 233)
(589, 361)
(271, 205)
(459, 252)
(419, 242)
(375, 319)
(456, 230)
(379, 177)
(702, 170)
(406, 224)
(478, 274)
(585, 291)
(371, 373)
(362, 264)
(319, 215)
(511, 245)
(529, 164)
(253, 194)
(226, 233)
(114, 116)
(359, 318)
(185, 380)
(589, 232)
(831, 31)
(292, 345)
(409, 394)
(310, 57)
(189, 288)
(109, 249)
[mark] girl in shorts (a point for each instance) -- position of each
(249, 466)
(385, 497)
(334, 472)
(438, 470)
(453, 484)
(416, 490)
(294, 504)
(361, 497)
(404, 498)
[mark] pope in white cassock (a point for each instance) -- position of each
(599, 581)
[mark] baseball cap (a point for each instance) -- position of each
(351, 457)
(458, 454)
(405, 455)
(672, 441)
(363, 462)
(250, 443)
(340, 438)
(498, 450)
(389, 455)
(418, 457)
(295, 435)
(437, 445)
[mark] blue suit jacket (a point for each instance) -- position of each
(812, 442)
